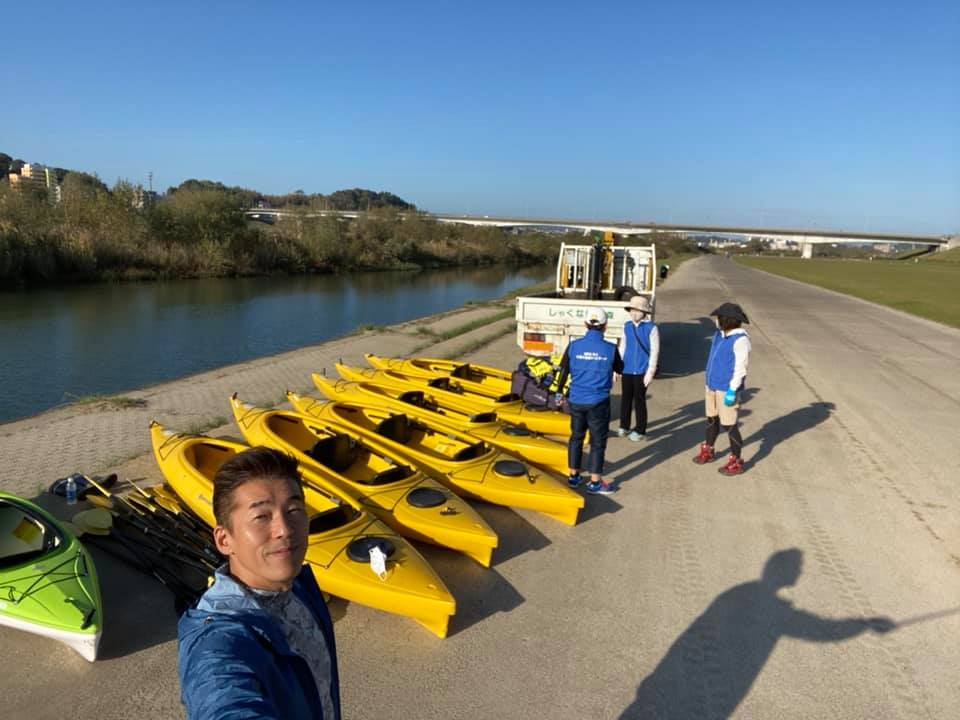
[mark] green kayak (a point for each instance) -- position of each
(48, 584)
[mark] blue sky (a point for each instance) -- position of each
(817, 114)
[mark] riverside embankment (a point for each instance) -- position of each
(98, 435)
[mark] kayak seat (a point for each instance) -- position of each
(469, 452)
(396, 428)
(414, 397)
(441, 383)
(332, 519)
(483, 417)
(461, 371)
(337, 452)
(390, 475)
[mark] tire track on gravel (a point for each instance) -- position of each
(703, 688)
(901, 678)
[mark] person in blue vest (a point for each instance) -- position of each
(591, 363)
(640, 347)
(259, 643)
(725, 376)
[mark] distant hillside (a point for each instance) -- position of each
(353, 199)
(348, 199)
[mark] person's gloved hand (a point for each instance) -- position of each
(730, 398)
(559, 399)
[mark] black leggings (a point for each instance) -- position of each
(634, 395)
(733, 432)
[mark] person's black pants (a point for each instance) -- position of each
(634, 396)
(597, 419)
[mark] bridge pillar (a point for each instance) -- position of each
(806, 250)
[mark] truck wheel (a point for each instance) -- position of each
(624, 292)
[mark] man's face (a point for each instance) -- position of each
(266, 541)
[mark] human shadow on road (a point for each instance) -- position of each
(678, 433)
(675, 434)
(776, 431)
(684, 347)
(710, 668)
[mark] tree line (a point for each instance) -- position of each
(198, 229)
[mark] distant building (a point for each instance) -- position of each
(143, 198)
(39, 177)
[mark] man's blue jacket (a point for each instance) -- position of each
(235, 663)
(591, 362)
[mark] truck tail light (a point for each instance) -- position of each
(534, 337)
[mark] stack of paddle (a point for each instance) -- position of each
(149, 530)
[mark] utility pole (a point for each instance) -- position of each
(150, 179)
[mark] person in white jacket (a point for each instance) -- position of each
(725, 377)
(640, 348)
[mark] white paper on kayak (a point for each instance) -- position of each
(378, 562)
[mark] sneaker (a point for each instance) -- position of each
(574, 480)
(622, 432)
(704, 455)
(599, 488)
(734, 466)
(635, 436)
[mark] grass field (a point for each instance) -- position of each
(929, 287)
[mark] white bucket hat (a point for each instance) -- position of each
(641, 303)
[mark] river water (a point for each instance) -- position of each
(57, 345)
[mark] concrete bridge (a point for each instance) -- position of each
(806, 238)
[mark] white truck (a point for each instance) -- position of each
(603, 275)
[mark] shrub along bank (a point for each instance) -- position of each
(199, 230)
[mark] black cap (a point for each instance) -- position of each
(731, 310)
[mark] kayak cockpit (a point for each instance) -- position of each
(24, 536)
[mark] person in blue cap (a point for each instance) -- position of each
(725, 376)
(591, 363)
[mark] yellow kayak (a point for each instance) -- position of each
(482, 379)
(538, 449)
(406, 499)
(339, 532)
(451, 393)
(460, 461)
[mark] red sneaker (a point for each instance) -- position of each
(734, 466)
(705, 455)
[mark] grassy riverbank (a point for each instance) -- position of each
(927, 287)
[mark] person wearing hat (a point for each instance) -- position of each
(640, 348)
(591, 362)
(725, 375)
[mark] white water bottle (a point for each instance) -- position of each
(71, 491)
